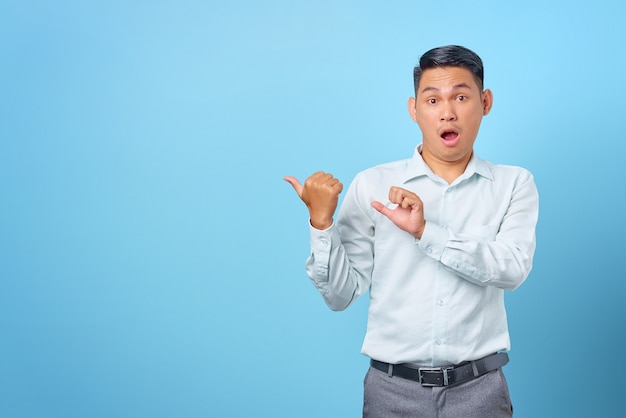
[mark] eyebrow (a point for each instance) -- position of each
(455, 87)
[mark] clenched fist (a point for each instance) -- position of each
(320, 194)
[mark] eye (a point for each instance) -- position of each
(461, 97)
(432, 101)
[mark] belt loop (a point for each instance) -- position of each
(390, 370)
(474, 369)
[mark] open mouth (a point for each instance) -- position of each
(449, 135)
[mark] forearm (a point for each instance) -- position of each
(498, 254)
(331, 271)
(500, 263)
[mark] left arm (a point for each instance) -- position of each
(503, 262)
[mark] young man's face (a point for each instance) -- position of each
(448, 108)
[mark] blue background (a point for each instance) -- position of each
(152, 257)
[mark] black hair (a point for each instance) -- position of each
(450, 56)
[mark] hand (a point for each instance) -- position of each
(409, 215)
(320, 194)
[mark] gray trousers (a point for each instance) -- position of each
(486, 396)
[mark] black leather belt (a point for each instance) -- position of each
(443, 376)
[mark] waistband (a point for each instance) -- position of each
(443, 376)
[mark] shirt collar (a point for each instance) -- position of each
(416, 167)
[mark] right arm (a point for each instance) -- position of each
(341, 257)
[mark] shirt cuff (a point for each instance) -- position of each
(321, 243)
(434, 240)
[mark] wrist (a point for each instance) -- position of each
(418, 234)
(321, 224)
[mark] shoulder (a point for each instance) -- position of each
(384, 170)
(512, 179)
(374, 182)
(507, 171)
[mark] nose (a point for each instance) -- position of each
(447, 112)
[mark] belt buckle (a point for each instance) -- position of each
(443, 370)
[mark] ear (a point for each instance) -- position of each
(412, 109)
(487, 101)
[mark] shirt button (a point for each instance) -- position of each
(439, 342)
(429, 250)
(440, 302)
(324, 242)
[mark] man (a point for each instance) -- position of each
(436, 239)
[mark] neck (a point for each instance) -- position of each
(447, 170)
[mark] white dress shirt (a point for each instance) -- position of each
(438, 300)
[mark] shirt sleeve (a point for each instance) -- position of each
(342, 257)
(503, 262)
